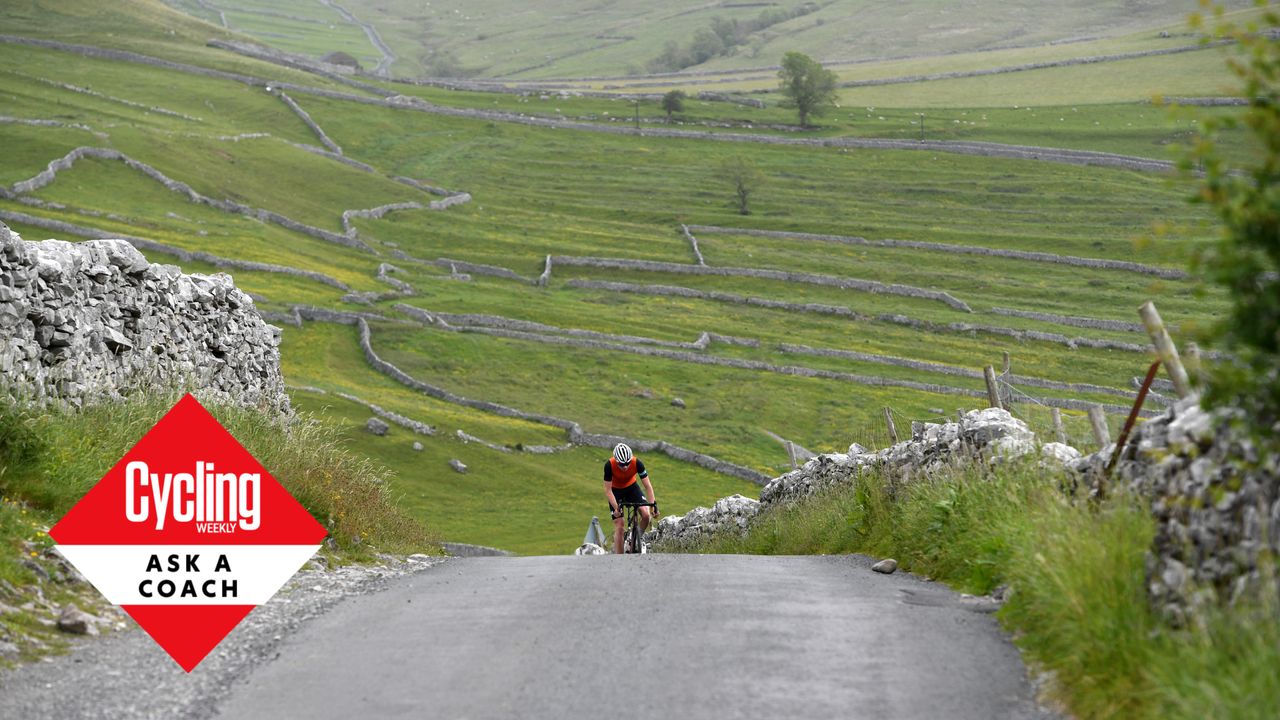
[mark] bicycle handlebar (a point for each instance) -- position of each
(636, 504)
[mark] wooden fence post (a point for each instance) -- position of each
(993, 389)
(1165, 347)
(1098, 419)
(893, 430)
(1004, 367)
(791, 454)
(1058, 431)
(1193, 362)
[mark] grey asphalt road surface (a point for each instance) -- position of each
(679, 636)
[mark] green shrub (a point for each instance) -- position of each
(50, 459)
(1246, 197)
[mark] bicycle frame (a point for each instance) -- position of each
(631, 542)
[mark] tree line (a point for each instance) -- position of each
(723, 37)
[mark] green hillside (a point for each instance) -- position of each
(538, 40)
(928, 270)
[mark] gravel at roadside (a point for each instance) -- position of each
(126, 675)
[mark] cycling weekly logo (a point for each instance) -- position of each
(188, 533)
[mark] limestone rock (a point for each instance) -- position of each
(417, 446)
(730, 513)
(457, 465)
(377, 426)
(1058, 454)
(75, 621)
(590, 549)
(677, 402)
(888, 566)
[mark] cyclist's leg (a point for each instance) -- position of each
(644, 518)
(618, 527)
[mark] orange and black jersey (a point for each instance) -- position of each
(620, 477)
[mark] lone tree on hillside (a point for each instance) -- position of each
(673, 102)
(745, 178)
(808, 87)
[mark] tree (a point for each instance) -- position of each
(673, 102)
(706, 45)
(808, 87)
(1245, 260)
(745, 177)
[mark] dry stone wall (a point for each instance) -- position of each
(535, 332)
(38, 122)
(471, 320)
(95, 321)
(1032, 66)
(322, 152)
(990, 434)
(50, 173)
(306, 119)
(420, 428)
(575, 433)
(181, 254)
(1215, 497)
(474, 268)
(1096, 263)
(693, 243)
(841, 311)
(844, 283)
(1072, 320)
(958, 371)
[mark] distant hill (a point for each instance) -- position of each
(538, 39)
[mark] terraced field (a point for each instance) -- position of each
(532, 289)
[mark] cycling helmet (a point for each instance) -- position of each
(622, 453)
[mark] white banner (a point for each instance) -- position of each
(187, 574)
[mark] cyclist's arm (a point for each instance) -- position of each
(608, 489)
(608, 495)
(648, 486)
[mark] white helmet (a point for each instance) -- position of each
(622, 453)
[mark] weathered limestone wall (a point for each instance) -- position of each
(96, 321)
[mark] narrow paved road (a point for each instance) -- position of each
(680, 636)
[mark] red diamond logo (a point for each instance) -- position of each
(188, 533)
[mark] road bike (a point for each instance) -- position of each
(632, 542)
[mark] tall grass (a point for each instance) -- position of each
(50, 458)
(1077, 603)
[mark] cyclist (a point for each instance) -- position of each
(622, 475)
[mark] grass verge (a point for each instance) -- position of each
(1078, 605)
(50, 458)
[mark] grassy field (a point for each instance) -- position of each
(540, 191)
(148, 27)
(1127, 128)
(527, 503)
(530, 41)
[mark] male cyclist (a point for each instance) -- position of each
(621, 475)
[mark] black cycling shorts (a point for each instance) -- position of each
(631, 493)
